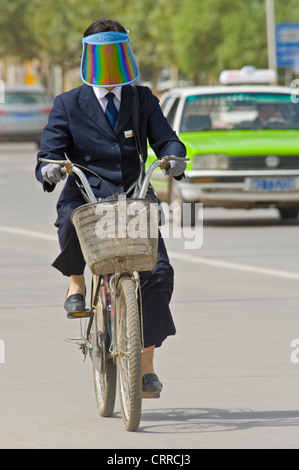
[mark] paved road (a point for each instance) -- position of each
(229, 379)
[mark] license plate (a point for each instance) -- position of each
(272, 184)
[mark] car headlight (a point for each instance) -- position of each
(213, 161)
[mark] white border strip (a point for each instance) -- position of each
(234, 266)
(27, 233)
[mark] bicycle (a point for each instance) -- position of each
(111, 328)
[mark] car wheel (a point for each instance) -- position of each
(289, 212)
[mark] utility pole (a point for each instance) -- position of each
(271, 40)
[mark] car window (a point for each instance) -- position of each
(235, 111)
(25, 98)
(172, 112)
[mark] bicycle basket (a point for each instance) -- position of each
(118, 235)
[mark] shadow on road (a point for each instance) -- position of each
(214, 420)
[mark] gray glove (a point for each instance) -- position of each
(176, 168)
(52, 173)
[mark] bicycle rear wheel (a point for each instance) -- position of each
(129, 353)
(104, 370)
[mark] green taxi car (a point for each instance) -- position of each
(243, 145)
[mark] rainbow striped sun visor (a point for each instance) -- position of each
(108, 60)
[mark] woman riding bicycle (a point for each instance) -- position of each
(81, 128)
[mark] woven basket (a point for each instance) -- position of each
(118, 235)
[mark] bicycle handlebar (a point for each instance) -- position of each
(68, 167)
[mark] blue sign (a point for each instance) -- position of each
(287, 44)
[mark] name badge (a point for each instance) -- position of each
(129, 133)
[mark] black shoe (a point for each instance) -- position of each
(75, 303)
(151, 386)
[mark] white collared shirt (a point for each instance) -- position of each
(101, 92)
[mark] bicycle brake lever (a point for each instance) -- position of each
(165, 165)
(67, 167)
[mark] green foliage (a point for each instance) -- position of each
(244, 36)
(16, 38)
(199, 37)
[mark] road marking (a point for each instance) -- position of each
(180, 256)
(234, 266)
(27, 233)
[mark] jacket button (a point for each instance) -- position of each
(115, 145)
(118, 165)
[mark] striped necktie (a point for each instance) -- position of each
(111, 111)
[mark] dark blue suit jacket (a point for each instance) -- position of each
(78, 127)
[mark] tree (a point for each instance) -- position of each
(244, 36)
(16, 37)
(151, 24)
(198, 37)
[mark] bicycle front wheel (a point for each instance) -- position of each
(129, 353)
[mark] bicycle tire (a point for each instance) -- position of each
(129, 353)
(105, 374)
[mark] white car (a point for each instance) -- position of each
(243, 145)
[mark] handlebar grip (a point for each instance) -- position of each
(165, 163)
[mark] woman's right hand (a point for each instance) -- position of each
(52, 173)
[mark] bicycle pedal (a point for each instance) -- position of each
(85, 314)
(150, 394)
